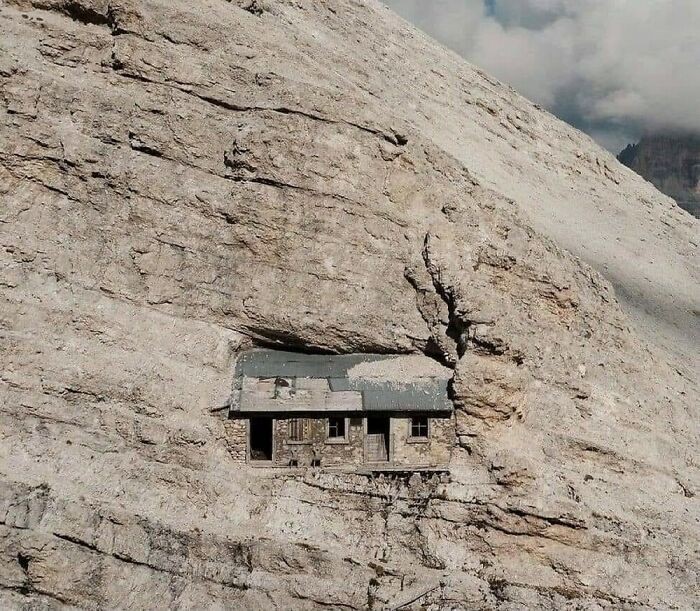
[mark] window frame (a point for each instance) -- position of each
(304, 437)
(419, 439)
(346, 432)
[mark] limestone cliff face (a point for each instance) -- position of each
(672, 164)
(180, 181)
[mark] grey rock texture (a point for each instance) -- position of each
(179, 181)
(671, 162)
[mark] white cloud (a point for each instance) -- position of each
(616, 68)
(456, 22)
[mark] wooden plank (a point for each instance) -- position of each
(302, 400)
(376, 447)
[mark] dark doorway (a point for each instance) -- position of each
(377, 439)
(260, 439)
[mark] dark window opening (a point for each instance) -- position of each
(336, 428)
(293, 462)
(295, 429)
(315, 462)
(260, 439)
(419, 427)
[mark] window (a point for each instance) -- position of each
(336, 429)
(295, 429)
(419, 427)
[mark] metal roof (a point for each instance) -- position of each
(276, 363)
(376, 395)
(415, 398)
(430, 395)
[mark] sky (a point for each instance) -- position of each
(614, 68)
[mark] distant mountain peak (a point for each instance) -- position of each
(671, 161)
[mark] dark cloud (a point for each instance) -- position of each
(614, 68)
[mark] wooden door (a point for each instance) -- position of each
(377, 447)
(377, 439)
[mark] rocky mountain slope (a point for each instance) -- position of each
(671, 163)
(181, 180)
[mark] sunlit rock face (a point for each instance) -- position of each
(672, 164)
(181, 182)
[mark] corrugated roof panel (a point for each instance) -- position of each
(339, 384)
(414, 399)
(274, 363)
(377, 395)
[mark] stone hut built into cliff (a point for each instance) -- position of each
(364, 411)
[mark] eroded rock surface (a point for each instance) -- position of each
(180, 181)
